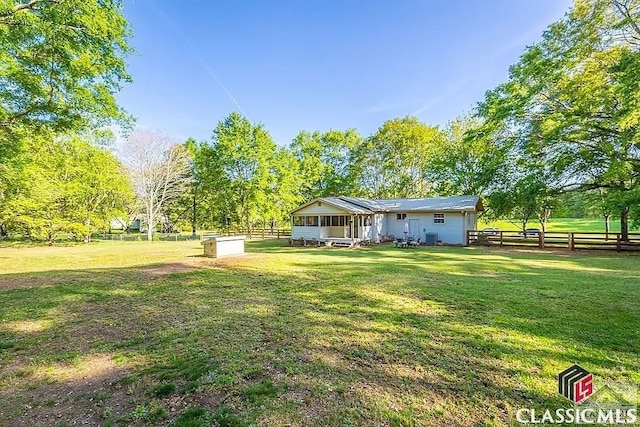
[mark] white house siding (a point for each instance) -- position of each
(318, 209)
(451, 232)
(471, 223)
(326, 232)
(321, 209)
(365, 232)
(378, 226)
(299, 232)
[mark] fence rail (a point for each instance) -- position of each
(555, 239)
(264, 233)
(260, 233)
(132, 237)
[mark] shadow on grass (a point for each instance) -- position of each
(328, 337)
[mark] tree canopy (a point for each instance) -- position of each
(562, 132)
(62, 63)
(65, 188)
(571, 102)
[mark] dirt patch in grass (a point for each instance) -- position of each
(170, 268)
(9, 282)
(195, 263)
(70, 393)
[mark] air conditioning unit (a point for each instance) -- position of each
(431, 239)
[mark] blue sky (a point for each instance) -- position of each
(321, 64)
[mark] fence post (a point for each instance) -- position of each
(618, 245)
(263, 232)
(501, 238)
(541, 240)
(468, 236)
(278, 231)
(571, 242)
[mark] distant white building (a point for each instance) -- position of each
(134, 224)
(355, 219)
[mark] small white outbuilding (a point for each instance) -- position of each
(354, 219)
(223, 246)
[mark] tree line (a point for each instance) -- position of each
(560, 134)
(242, 177)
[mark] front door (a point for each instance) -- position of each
(414, 228)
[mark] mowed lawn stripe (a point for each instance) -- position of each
(152, 333)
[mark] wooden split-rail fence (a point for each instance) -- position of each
(571, 240)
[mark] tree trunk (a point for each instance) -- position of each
(150, 225)
(624, 224)
(88, 236)
(150, 217)
(193, 218)
(607, 226)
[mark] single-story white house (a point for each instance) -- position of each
(354, 219)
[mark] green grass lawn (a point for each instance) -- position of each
(560, 224)
(154, 334)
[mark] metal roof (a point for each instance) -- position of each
(370, 204)
(339, 203)
(454, 203)
(359, 205)
(347, 205)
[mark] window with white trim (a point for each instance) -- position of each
(337, 220)
(438, 218)
(401, 216)
(305, 221)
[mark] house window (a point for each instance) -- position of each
(401, 217)
(305, 221)
(438, 218)
(325, 221)
(337, 221)
(366, 221)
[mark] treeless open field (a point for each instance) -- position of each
(152, 333)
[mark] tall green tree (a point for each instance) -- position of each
(211, 205)
(237, 167)
(574, 99)
(287, 189)
(65, 187)
(62, 63)
(325, 161)
(395, 161)
(470, 160)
